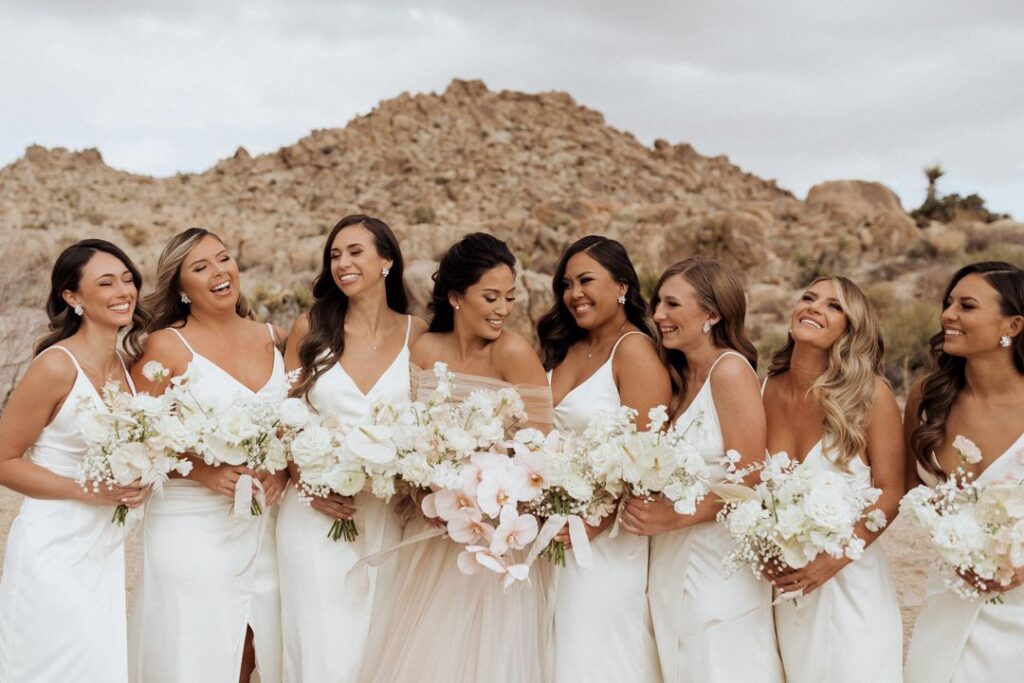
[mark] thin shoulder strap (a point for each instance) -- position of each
(408, 330)
(730, 352)
(619, 341)
(182, 338)
(70, 355)
(764, 383)
(273, 335)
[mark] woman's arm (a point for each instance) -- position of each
(641, 377)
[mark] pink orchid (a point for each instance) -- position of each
(448, 503)
(497, 489)
(529, 473)
(474, 557)
(514, 531)
(467, 526)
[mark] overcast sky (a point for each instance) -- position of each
(797, 91)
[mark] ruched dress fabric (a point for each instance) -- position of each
(326, 618)
(964, 641)
(848, 630)
(62, 595)
(206, 575)
(709, 625)
(450, 627)
(602, 628)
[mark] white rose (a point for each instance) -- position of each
(415, 469)
(312, 448)
(276, 458)
(234, 425)
(172, 435)
(791, 520)
(579, 488)
(294, 413)
(344, 481)
(95, 427)
(745, 517)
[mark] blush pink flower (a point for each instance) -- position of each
(514, 531)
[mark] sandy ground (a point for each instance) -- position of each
(906, 548)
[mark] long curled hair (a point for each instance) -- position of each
(557, 329)
(719, 291)
(946, 379)
(461, 267)
(846, 390)
(67, 276)
(324, 344)
(165, 300)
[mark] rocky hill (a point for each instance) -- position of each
(536, 169)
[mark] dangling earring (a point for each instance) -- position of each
(79, 311)
(185, 299)
(384, 271)
(622, 298)
(1005, 341)
(706, 327)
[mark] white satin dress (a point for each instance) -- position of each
(964, 641)
(602, 627)
(709, 626)
(325, 619)
(206, 575)
(62, 595)
(449, 627)
(849, 630)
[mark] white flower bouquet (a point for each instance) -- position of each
(977, 530)
(340, 460)
(795, 513)
(134, 438)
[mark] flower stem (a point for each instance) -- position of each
(120, 514)
(343, 528)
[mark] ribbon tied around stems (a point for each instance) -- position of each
(581, 549)
(246, 500)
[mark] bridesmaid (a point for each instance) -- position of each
(828, 405)
(709, 626)
(207, 608)
(62, 595)
(353, 351)
(449, 626)
(597, 347)
(975, 389)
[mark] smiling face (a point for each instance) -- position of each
(486, 304)
(356, 264)
(973, 320)
(106, 291)
(818, 318)
(209, 276)
(590, 292)
(679, 315)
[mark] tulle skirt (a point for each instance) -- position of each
(449, 627)
(325, 613)
(847, 631)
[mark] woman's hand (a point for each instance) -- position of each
(592, 531)
(335, 506)
(650, 516)
(273, 485)
(219, 478)
(132, 495)
(810, 577)
(986, 586)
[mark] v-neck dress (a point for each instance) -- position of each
(325, 620)
(970, 640)
(206, 575)
(849, 630)
(710, 626)
(602, 624)
(62, 595)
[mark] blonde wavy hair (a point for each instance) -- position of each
(846, 390)
(164, 302)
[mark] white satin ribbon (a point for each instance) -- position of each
(581, 549)
(358, 578)
(244, 495)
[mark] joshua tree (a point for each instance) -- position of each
(933, 173)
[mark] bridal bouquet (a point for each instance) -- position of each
(337, 459)
(977, 530)
(247, 431)
(795, 513)
(136, 437)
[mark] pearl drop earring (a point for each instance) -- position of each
(79, 311)
(1005, 341)
(185, 299)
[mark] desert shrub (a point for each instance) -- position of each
(422, 214)
(1011, 253)
(906, 329)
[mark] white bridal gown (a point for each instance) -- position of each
(450, 627)
(709, 626)
(603, 626)
(62, 597)
(206, 575)
(324, 619)
(964, 641)
(849, 630)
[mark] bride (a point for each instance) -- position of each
(449, 626)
